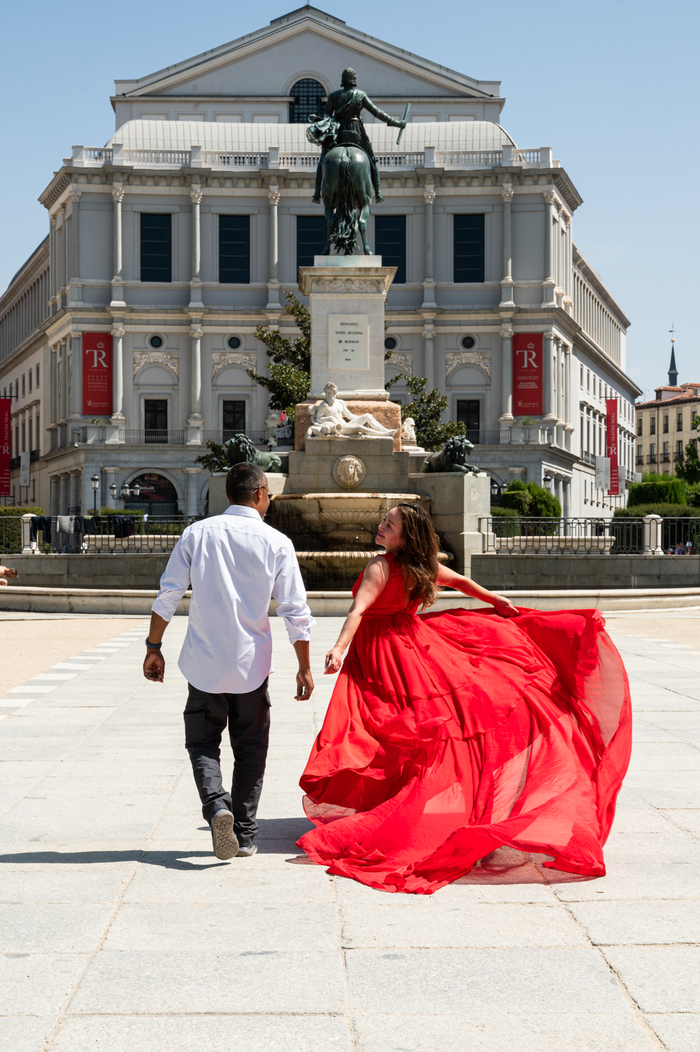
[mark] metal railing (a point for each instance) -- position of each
(149, 436)
(643, 535)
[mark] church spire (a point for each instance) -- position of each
(672, 371)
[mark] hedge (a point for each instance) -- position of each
(21, 511)
(662, 491)
(666, 511)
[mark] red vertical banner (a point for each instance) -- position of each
(527, 374)
(612, 445)
(5, 445)
(97, 374)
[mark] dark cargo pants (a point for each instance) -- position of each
(248, 718)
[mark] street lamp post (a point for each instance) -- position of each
(95, 483)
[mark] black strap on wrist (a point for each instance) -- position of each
(153, 646)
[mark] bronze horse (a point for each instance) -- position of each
(346, 187)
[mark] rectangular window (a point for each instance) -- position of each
(652, 450)
(679, 448)
(24, 385)
(665, 452)
(37, 374)
(679, 420)
(234, 250)
(588, 379)
(640, 454)
(652, 425)
(37, 443)
(233, 418)
(665, 425)
(582, 378)
(390, 244)
(469, 248)
(156, 247)
(468, 414)
(31, 377)
(639, 426)
(311, 239)
(155, 419)
(24, 437)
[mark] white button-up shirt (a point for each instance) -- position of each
(235, 563)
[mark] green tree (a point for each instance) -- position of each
(689, 468)
(290, 366)
(215, 460)
(426, 408)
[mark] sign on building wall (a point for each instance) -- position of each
(527, 374)
(602, 473)
(97, 374)
(612, 446)
(5, 445)
(24, 468)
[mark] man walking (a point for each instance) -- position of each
(235, 563)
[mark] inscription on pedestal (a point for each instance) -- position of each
(348, 341)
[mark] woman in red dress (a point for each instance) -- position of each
(451, 734)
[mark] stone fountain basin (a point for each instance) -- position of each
(351, 509)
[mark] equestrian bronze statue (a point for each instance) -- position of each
(347, 170)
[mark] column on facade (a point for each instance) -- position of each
(191, 498)
(63, 397)
(429, 194)
(76, 377)
(53, 285)
(549, 283)
(569, 296)
(506, 418)
(273, 285)
(548, 380)
(54, 494)
(196, 279)
(76, 295)
(118, 372)
(429, 349)
(566, 501)
(118, 248)
(75, 487)
(53, 381)
(195, 421)
(507, 263)
(568, 397)
(64, 494)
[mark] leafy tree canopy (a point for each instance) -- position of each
(426, 408)
(290, 365)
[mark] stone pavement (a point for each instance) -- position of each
(120, 932)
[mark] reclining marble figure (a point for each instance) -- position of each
(333, 418)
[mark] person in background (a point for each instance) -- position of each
(5, 572)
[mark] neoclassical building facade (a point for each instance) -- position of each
(170, 244)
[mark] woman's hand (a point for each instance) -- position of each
(334, 659)
(504, 607)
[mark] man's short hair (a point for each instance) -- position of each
(242, 482)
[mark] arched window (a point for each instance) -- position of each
(308, 97)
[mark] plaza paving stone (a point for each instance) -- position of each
(120, 931)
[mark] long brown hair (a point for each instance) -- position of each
(418, 554)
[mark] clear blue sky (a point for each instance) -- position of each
(611, 85)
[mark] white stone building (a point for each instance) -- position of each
(182, 234)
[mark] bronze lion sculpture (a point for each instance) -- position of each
(452, 457)
(240, 450)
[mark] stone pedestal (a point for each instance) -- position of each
(457, 503)
(346, 302)
(380, 468)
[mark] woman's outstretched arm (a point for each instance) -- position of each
(449, 579)
(373, 584)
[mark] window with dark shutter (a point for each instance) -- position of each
(311, 239)
(390, 244)
(469, 248)
(156, 247)
(234, 250)
(308, 98)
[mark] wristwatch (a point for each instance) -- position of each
(153, 646)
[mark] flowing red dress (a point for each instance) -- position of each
(451, 734)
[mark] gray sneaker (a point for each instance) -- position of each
(224, 839)
(247, 850)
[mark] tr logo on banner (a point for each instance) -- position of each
(97, 374)
(612, 446)
(527, 374)
(5, 445)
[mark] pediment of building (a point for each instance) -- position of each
(307, 43)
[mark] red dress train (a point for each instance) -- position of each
(451, 734)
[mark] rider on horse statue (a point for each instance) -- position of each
(342, 124)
